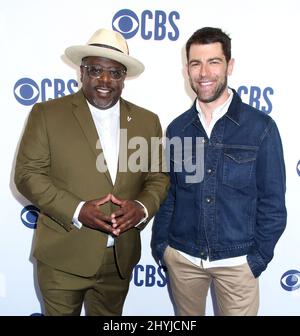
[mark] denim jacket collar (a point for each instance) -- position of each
(232, 114)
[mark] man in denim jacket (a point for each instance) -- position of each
(221, 223)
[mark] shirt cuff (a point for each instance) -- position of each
(75, 220)
(146, 214)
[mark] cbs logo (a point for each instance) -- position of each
(29, 216)
(27, 92)
(257, 97)
(290, 280)
(149, 276)
(157, 25)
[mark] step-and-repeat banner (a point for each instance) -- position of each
(33, 37)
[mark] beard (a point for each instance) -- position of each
(214, 95)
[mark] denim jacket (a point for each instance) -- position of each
(238, 207)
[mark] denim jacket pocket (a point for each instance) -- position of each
(238, 167)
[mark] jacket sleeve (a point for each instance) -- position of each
(163, 218)
(32, 172)
(271, 211)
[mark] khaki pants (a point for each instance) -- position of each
(236, 289)
(102, 294)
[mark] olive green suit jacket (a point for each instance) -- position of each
(56, 169)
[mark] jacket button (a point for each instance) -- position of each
(209, 171)
(204, 140)
(202, 254)
(208, 199)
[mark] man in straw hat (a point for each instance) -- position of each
(91, 209)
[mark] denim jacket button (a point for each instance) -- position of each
(208, 199)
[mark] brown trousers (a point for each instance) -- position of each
(102, 294)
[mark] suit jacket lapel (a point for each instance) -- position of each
(126, 133)
(84, 117)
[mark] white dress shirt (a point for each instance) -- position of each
(216, 115)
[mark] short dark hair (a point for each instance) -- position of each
(209, 35)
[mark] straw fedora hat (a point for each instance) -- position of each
(109, 44)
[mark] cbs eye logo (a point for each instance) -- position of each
(157, 25)
(26, 91)
(29, 216)
(298, 168)
(126, 22)
(290, 280)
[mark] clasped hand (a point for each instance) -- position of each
(127, 216)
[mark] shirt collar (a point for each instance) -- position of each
(219, 111)
(104, 115)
